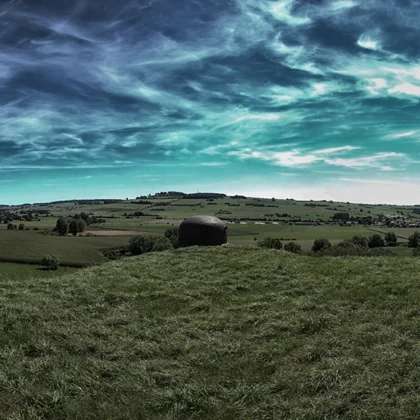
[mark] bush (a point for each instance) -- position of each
(416, 252)
(349, 249)
(269, 242)
(146, 243)
(345, 248)
(376, 241)
(115, 253)
(414, 240)
(391, 239)
(173, 235)
(161, 244)
(359, 240)
(381, 252)
(292, 247)
(21, 226)
(51, 262)
(321, 244)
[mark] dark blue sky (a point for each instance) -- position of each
(302, 99)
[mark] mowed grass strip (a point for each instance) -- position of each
(214, 333)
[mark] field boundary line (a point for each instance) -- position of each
(381, 231)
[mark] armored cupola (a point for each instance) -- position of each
(202, 230)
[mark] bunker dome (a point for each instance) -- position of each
(202, 230)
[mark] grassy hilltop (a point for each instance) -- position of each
(214, 333)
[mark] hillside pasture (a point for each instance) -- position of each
(214, 333)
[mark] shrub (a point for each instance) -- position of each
(416, 252)
(292, 247)
(173, 235)
(51, 262)
(391, 239)
(348, 248)
(321, 244)
(381, 252)
(115, 253)
(142, 244)
(21, 226)
(270, 243)
(161, 244)
(359, 240)
(414, 240)
(345, 248)
(376, 241)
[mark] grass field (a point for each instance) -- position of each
(10, 271)
(270, 218)
(214, 333)
(32, 246)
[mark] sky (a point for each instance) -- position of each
(303, 99)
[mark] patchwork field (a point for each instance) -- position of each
(249, 220)
(214, 333)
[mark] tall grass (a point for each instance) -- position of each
(214, 333)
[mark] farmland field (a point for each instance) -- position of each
(32, 246)
(249, 220)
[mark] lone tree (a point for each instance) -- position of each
(376, 241)
(76, 226)
(62, 226)
(320, 244)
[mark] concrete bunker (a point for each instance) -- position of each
(202, 230)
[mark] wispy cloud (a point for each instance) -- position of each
(396, 136)
(302, 158)
(368, 42)
(290, 83)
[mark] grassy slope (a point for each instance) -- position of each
(222, 333)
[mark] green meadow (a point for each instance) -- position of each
(227, 332)
(31, 246)
(249, 221)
